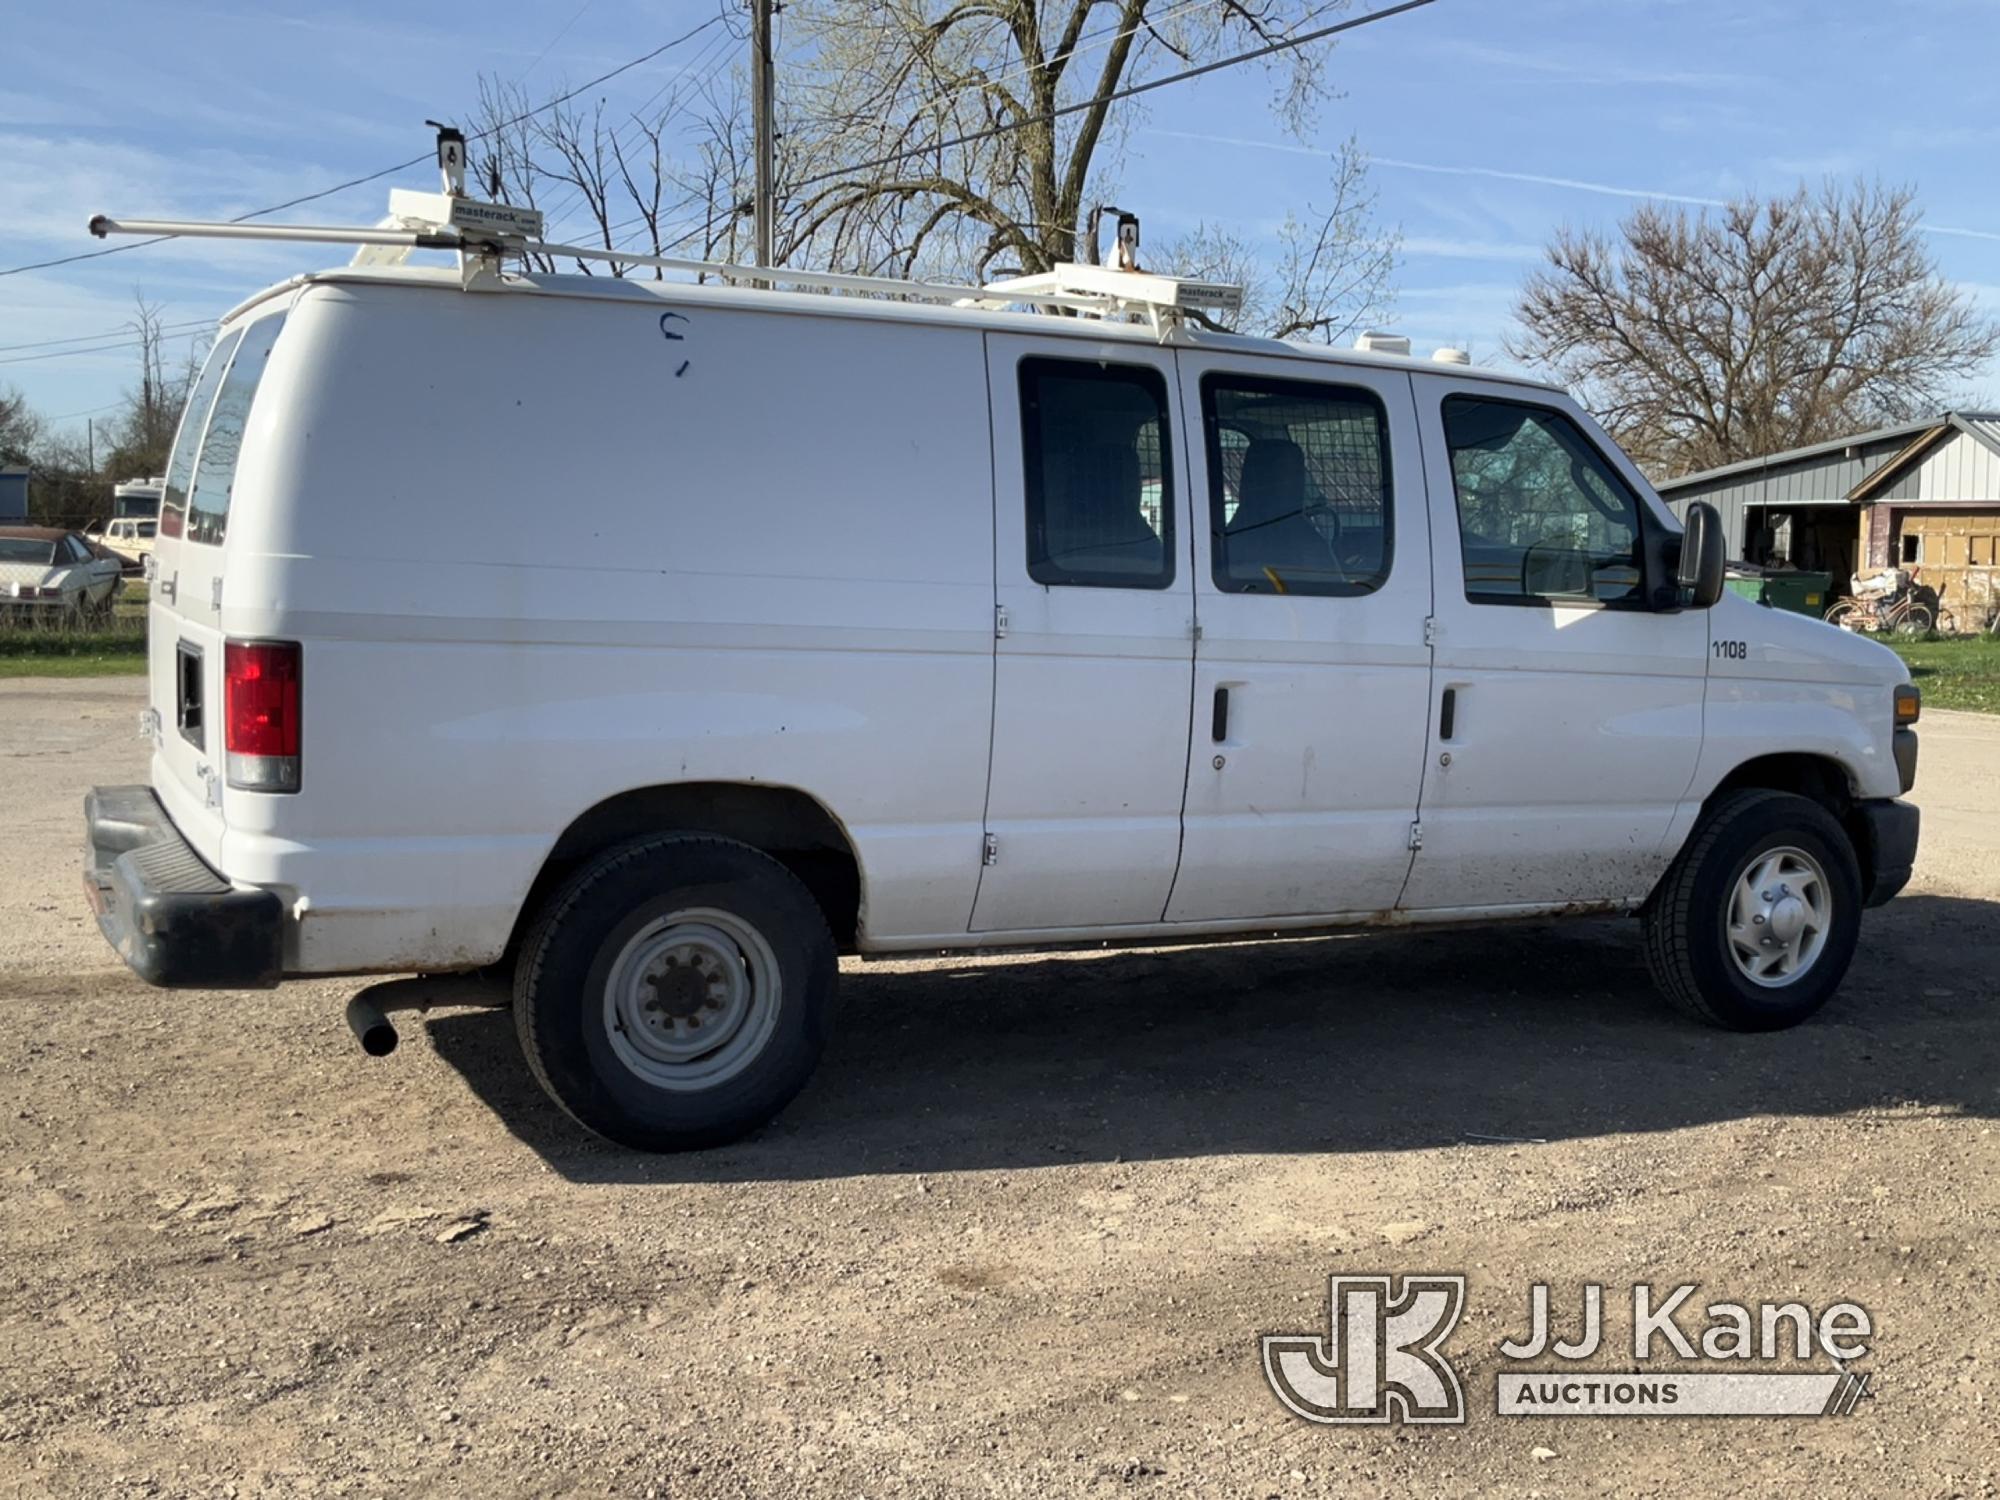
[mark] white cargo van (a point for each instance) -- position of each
(661, 642)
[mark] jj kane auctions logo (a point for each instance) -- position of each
(1381, 1359)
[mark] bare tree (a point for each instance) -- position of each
(143, 430)
(1700, 339)
(957, 102)
(20, 428)
(1332, 271)
(875, 169)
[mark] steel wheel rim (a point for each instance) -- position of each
(692, 998)
(1778, 918)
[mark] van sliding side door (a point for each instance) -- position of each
(1312, 675)
(1094, 649)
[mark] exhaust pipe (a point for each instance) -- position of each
(368, 1011)
(371, 1025)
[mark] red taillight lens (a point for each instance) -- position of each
(260, 682)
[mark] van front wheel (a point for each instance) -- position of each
(1755, 924)
(676, 992)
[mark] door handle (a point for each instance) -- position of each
(1218, 724)
(1448, 713)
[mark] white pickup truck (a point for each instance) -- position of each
(661, 642)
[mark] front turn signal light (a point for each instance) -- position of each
(1909, 705)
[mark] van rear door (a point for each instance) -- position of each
(184, 629)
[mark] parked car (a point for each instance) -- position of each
(50, 574)
(881, 626)
(132, 537)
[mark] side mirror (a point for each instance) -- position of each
(1700, 568)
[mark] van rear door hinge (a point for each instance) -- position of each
(990, 850)
(1416, 835)
(1430, 630)
(999, 622)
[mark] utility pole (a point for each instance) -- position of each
(760, 103)
(90, 441)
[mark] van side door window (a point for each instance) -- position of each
(1542, 517)
(1097, 474)
(1298, 486)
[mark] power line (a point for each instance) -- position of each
(401, 166)
(109, 333)
(88, 411)
(562, 212)
(1112, 96)
(578, 16)
(29, 359)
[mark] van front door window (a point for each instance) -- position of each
(1542, 518)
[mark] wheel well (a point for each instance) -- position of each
(1818, 777)
(785, 823)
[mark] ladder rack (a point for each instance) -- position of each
(484, 235)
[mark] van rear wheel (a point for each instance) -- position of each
(677, 992)
(1754, 926)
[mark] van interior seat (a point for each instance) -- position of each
(1094, 516)
(1270, 525)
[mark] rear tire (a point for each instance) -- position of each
(1749, 953)
(677, 992)
(1916, 620)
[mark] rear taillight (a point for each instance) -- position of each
(260, 696)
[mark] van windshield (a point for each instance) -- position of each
(222, 444)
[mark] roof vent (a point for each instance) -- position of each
(1382, 343)
(1451, 356)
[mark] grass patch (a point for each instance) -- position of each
(109, 664)
(120, 648)
(1954, 672)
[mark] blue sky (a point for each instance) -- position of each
(1489, 122)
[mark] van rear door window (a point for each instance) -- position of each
(194, 417)
(222, 444)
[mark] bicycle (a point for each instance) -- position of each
(1896, 616)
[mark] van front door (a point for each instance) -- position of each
(1312, 677)
(1568, 718)
(1094, 647)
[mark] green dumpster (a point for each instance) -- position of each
(1801, 593)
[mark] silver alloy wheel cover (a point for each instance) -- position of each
(1778, 915)
(692, 999)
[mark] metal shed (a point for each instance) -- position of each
(13, 494)
(1922, 494)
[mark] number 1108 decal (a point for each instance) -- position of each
(1730, 650)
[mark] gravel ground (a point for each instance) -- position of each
(1018, 1238)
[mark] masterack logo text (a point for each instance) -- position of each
(1382, 1360)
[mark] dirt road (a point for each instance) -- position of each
(1019, 1237)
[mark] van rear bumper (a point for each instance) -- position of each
(174, 920)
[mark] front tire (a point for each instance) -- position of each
(1755, 924)
(676, 992)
